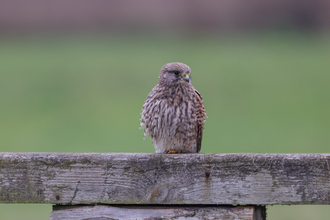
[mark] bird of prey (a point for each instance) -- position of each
(173, 113)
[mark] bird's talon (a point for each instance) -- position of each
(173, 151)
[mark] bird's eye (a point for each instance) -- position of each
(176, 73)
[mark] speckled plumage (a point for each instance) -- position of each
(173, 113)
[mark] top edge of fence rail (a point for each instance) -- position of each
(159, 154)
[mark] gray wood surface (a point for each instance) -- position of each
(103, 212)
(132, 178)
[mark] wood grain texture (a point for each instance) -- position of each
(132, 178)
(106, 212)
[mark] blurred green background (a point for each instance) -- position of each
(265, 91)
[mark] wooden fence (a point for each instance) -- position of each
(163, 186)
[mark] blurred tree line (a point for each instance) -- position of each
(19, 16)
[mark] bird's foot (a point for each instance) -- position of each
(173, 152)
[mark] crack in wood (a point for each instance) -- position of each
(75, 192)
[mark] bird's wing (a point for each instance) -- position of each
(201, 113)
(147, 111)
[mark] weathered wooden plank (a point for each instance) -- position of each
(101, 212)
(131, 178)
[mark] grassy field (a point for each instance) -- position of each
(264, 93)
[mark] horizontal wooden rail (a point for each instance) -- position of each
(139, 178)
(158, 212)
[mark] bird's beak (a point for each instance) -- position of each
(186, 77)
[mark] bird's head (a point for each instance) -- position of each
(174, 73)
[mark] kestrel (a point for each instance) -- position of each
(173, 113)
